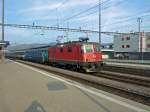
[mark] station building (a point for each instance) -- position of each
(132, 46)
(107, 50)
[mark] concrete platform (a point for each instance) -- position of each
(26, 89)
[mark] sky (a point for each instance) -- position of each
(117, 16)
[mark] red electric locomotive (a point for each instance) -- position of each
(81, 55)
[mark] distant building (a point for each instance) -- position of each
(107, 46)
(107, 50)
(4, 43)
(131, 46)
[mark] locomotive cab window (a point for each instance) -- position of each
(97, 49)
(89, 48)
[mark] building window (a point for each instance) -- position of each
(148, 38)
(69, 49)
(103, 46)
(148, 46)
(128, 38)
(122, 46)
(128, 46)
(111, 47)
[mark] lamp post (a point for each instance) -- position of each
(3, 30)
(140, 37)
(2, 20)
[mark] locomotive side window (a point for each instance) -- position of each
(54, 49)
(61, 50)
(69, 49)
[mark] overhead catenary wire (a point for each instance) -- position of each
(61, 29)
(118, 27)
(91, 13)
(59, 6)
(85, 11)
(116, 4)
(131, 19)
(62, 4)
(89, 9)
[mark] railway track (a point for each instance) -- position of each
(128, 78)
(127, 70)
(135, 88)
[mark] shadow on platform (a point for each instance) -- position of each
(35, 107)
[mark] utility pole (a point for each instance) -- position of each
(3, 20)
(139, 20)
(100, 23)
(3, 4)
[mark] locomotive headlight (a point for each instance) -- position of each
(93, 56)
